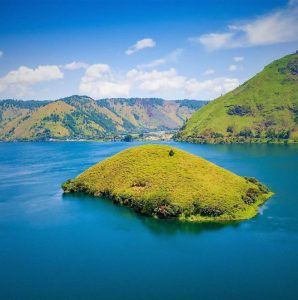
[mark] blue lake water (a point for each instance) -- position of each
(78, 247)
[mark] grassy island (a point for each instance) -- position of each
(166, 182)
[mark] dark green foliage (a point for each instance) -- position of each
(165, 209)
(29, 104)
(206, 211)
(70, 123)
(218, 135)
(52, 118)
(282, 134)
(70, 187)
(291, 67)
(239, 110)
(196, 207)
(246, 132)
(270, 133)
(210, 211)
(253, 193)
(43, 135)
(260, 106)
(193, 104)
(171, 152)
(258, 133)
(139, 183)
(230, 129)
(251, 196)
(128, 138)
(102, 120)
(158, 205)
(261, 186)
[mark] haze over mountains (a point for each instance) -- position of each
(81, 117)
(263, 109)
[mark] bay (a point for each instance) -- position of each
(55, 246)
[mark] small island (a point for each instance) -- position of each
(165, 182)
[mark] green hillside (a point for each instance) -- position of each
(81, 117)
(263, 109)
(166, 182)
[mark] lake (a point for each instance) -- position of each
(79, 247)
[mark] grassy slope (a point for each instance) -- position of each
(82, 117)
(271, 97)
(29, 127)
(14, 111)
(147, 178)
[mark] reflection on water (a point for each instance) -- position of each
(156, 226)
(171, 227)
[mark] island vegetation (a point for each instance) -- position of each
(166, 182)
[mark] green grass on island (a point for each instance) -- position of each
(166, 182)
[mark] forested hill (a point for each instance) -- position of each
(81, 117)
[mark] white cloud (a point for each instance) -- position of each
(24, 77)
(209, 72)
(1, 53)
(104, 89)
(232, 68)
(168, 82)
(75, 65)
(141, 44)
(213, 88)
(277, 27)
(170, 58)
(96, 71)
(156, 81)
(213, 40)
(99, 82)
(238, 58)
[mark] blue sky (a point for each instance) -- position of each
(170, 49)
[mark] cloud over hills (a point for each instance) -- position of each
(21, 79)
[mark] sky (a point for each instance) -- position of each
(165, 49)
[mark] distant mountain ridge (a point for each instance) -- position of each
(263, 109)
(81, 117)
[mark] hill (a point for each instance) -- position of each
(152, 113)
(263, 109)
(81, 117)
(165, 182)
